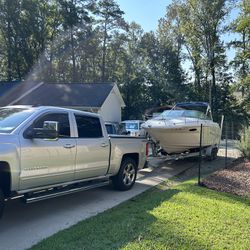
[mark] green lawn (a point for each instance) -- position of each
(183, 217)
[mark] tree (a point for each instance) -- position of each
(26, 27)
(133, 82)
(110, 19)
(167, 58)
(75, 13)
(241, 61)
(201, 24)
(9, 23)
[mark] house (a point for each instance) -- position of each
(102, 98)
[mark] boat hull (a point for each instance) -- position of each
(181, 138)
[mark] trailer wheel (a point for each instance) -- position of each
(213, 155)
(2, 202)
(125, 179)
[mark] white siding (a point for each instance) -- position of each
(111, 108)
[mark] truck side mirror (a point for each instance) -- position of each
(49, 131)
(51, 125)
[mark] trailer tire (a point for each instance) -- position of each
(125, 179)
(213, 155)
(2, 202)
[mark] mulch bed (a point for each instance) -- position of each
(235, 179)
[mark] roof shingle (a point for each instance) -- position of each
(56, 94)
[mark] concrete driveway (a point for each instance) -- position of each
(23, 225)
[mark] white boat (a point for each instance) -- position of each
(178, 130)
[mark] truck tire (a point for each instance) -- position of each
(2, 202)
(125, 179)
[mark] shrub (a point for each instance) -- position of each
(244, 144)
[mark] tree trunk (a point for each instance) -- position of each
(74, 78)
(9, 54)
(197, 78)
(244, 73)
(103, 77)
(213, 85)
(17, 61)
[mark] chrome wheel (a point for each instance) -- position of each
(129, 174)
(125, 178)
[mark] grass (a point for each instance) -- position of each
(183, 217)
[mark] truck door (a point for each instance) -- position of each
(45, 161)
(92, 158)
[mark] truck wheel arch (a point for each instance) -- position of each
(5, 178)
(134, 156)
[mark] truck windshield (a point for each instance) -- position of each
(11, 118)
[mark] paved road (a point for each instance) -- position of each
(23, 225)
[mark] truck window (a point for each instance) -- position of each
(109, 128)
(62, 119)
(11, 118)
(88, 127)
(132, 125)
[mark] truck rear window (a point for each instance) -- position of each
(11, 118)
(88, 127)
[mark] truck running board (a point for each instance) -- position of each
(44, 195)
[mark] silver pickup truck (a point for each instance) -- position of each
(47, 152)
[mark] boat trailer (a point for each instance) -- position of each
(208, 152)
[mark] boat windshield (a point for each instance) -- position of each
(170, 113)
(181, 113)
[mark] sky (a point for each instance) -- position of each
(144, 12)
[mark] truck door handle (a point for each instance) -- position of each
(104, 145)
(69, 146)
